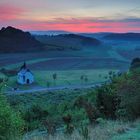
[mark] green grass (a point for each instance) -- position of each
(71, 77)
(64, 78)
(132, 134)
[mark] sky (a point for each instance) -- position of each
(71, 15)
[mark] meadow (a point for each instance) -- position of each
(70, 67)
(64, 78)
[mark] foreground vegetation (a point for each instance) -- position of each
(103, 113)
(11, 124)
(106, 130)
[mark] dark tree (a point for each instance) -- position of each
(135, 63)
(54, 77)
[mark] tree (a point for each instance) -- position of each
(82, 78)
(135, 63)
(54, 78)
(86, 79)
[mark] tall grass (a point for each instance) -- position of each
(106, 130)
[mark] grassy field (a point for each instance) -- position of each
(72, 77)
(65, 78)
(69, 66)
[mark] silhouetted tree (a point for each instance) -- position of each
(82, 78)
(135, 63)
(54, 78)
(86, 79)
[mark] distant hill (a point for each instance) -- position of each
(69, 41)
(50, 32)
(15, 40)
(95, 35)
(123, 36)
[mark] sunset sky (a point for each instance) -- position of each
(72, 15)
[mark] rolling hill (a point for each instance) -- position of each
(99, 35)
(70, 41)
(123, 36)
(15, 40)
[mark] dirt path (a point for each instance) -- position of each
(44, 89)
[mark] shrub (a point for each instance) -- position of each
(11, 125)
(107, 101)
(35, 112)
(8, 73)
(129, 92)
(91, 111)
(34, 115)
(135, 63)
(121, 97)
(50, 126)
(68, 122)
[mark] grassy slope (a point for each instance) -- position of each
(108, 130)
(132, 134)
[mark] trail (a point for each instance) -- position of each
(45, 89)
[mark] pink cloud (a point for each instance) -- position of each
(83, 25)
(9, 12)
(73, 24)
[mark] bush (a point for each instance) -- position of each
(107, 101)
(135, 63)
(90, 109)
(129, 93)
(34, 115)
(11, 125)
(120, 99)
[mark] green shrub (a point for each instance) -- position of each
(107, 101)
(91, 111)
(11, 125)
(129, 93)
(121, 98)
(34, 115)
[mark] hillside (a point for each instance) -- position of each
(70, 41)
(101, 113)
(95, 35)
(123, 36)
(15, 40)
